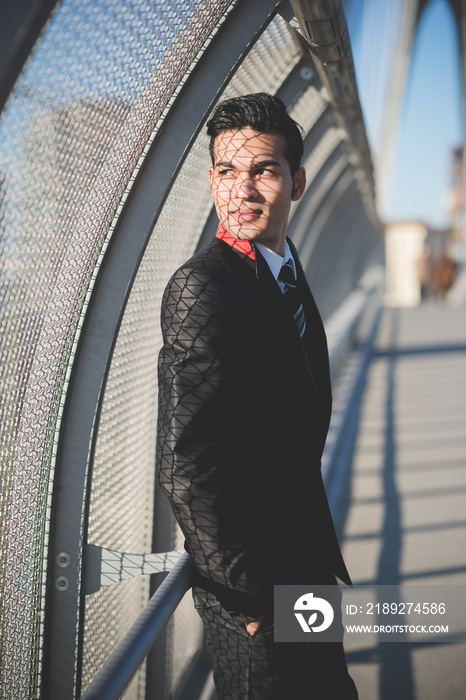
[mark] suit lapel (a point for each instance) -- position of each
(315, 340)
(276, 315)
(279, 314)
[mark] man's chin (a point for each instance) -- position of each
(243, 232)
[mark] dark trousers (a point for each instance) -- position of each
(254, 667)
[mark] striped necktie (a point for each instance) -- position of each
(292, 295)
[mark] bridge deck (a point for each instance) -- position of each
(406, 518)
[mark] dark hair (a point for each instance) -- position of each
(265, 114)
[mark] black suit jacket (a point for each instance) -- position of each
(244, 409)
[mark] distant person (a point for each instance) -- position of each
(245, 405)
(424, 270)
(444, 275)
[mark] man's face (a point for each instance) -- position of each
(252, 186)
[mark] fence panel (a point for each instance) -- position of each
(103, 194)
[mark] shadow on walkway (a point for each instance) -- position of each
(407, 504)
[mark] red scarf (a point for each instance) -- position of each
(244, 247)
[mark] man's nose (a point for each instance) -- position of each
(245, 187)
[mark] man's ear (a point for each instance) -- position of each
(211, 179)
(299, 184)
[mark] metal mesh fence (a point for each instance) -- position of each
(123, 468)
(75, 130)
(71, 135)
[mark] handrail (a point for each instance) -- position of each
(120, 667)
(341, 325)
(353, 329)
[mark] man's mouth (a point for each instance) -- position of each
(246, 214)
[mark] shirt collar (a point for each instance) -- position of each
(247, 249)
(274, 260)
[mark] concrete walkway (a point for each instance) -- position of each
(406, 519)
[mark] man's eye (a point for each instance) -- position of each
(265, 171)
(227, 172)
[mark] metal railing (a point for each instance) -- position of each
(351, 333)
(121, 666)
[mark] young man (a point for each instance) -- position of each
(245, 405)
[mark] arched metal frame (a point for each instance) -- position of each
(103, 318)
(345, 177)
(22, 22)
(411, 14)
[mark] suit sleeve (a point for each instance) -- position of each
(193, 415)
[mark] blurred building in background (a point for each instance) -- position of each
(419, 261)
(456, 207)
(404, 248)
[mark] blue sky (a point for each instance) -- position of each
(431, 117)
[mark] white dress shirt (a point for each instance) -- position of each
(275, 261)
